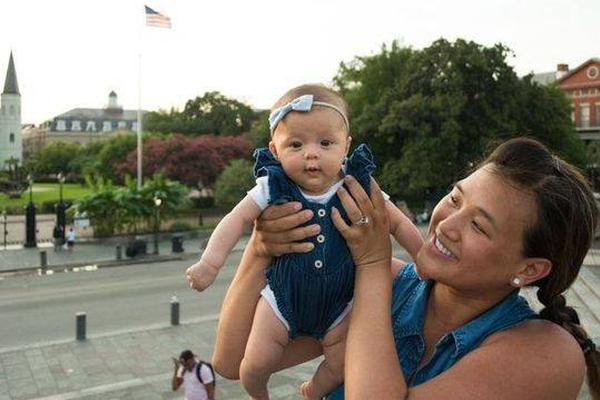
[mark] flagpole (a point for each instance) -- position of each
(139, 124)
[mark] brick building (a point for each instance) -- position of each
(582, 86)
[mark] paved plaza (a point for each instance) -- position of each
(136, 363)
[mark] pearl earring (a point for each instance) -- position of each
(516, 282)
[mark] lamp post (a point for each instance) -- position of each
(61, 207)
(157, 203)
(4, 223)
(30, 240)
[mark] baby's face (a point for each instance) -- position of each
(311, 148)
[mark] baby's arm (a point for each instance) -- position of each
(404, 231)
(227, 233)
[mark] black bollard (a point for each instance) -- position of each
(119, 252)
(80, 325)
(43, 259)
(174, 311)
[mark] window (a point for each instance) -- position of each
(592, 72)
(91, 126)
(12, 138)
(134, 126)
(11, 110)
(585, 116)
(122, 125)
(107, 126)
(597, 114)
(76, 126)
(61, 125)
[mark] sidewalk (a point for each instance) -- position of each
(131, 365)
(91, 252)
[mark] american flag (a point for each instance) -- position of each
(156, 19)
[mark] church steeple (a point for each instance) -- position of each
(10, 84)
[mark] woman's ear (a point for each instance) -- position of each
(535, 269)
(273, 150)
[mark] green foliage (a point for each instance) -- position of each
(234, 182)
(179, 226)
(116, 149)
(114, 209)
(54, 158)
(212, 113)
(260, 135)
(429, 115)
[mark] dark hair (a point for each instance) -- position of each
(319, 92)
(562, 232)
(186, 355)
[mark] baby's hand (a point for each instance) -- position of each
(201, 275)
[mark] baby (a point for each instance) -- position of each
(306, 294)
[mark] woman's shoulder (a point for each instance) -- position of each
(551, 353)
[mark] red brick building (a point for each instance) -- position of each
(582, 86)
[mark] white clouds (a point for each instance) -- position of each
(73, 53)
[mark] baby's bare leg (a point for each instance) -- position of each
(330, 373)
(266, 343)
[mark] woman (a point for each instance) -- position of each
(458, 329)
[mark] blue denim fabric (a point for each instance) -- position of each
(409, 300)
(312, 289)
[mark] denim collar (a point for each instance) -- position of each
(411, 317)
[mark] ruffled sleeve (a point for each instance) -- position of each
(263, 159)
(280, 187)
(361, 166)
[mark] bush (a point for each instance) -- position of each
(204, 202)
(179, 226)
(234, 182)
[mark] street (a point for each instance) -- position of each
(36, 309)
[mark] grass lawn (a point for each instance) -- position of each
(43, 192)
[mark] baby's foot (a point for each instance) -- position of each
(307, 391)
(200, 276)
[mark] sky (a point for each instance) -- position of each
(72, 53)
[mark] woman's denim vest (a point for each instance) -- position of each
(409, 301)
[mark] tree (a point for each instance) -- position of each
(432, 114)
(223, 116)
(54, 158)
(260, 134)
(234, 182)
(194, 161)
(211, 113)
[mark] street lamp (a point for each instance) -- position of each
(4, 223)
(61, 207)
(30, 217)
(157, 203)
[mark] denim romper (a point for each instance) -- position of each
(409, 301)
(312, 289)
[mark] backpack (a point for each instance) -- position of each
(212, 371)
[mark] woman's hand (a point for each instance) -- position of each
(277, 231)
(369, 242)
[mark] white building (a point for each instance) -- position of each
(85, 125)
(10, 118)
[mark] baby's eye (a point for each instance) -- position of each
(326, 143)
(295, 144)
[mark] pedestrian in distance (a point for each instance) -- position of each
(197, 377)
(452, 325)
(70, 239)
(57, 237)
(305, 294)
